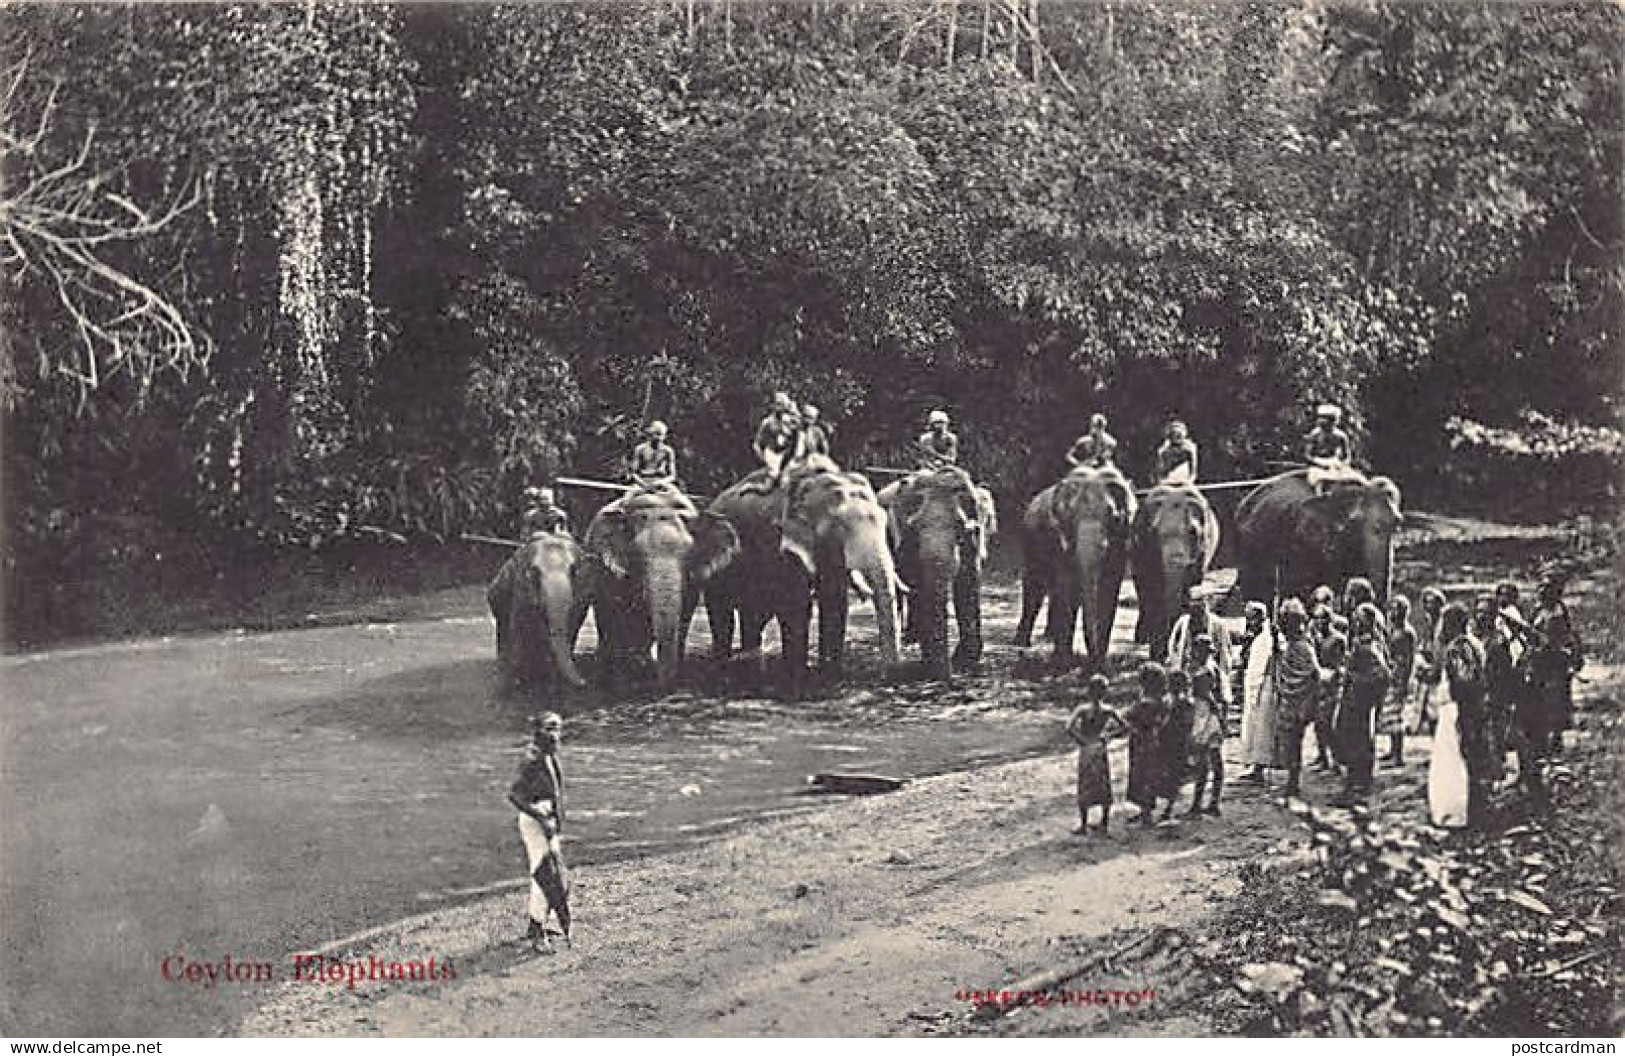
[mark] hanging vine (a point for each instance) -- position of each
(322, 161)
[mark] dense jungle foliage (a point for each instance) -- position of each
(289, 275)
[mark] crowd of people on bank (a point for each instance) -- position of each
(1488, 683)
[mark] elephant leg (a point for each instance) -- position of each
(833, 606)
(1033, 590)
(795, 621)
(505, 672)
(605, 652)
(527, 649)
(753, 619)
(691, 601)
(614, 641)
(1063, 618)
(907, 604)
(720, 612)
(968, 613)
(911, 624)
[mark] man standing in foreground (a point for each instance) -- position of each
(538, 794)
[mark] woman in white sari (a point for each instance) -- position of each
(1448, 784)
(1258, 712)
(1249, 672)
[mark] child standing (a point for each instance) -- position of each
(1174, 740)
(1208, 727)
(1145, 721)
(1402, 655)
(1090, 725)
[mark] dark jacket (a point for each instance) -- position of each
(539, 779)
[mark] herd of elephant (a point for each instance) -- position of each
(914, 549)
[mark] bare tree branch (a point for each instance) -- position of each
(58, 219)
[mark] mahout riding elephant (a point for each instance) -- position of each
(1291, 539)
(1076, 551)
(819, 533)
(652, 554)
(536, 600)
(1175, 535)
(940, 524)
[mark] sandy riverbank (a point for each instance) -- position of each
(868, 917)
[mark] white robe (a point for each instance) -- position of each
(538, 844)
(1258, 704)
(1447, 771)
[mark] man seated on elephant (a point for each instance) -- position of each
(776, 436)
(542, 514)
(938, 446)
(654, 463)
(1096, 448)
(1327, 448)
(1176, 458)
(815, 434)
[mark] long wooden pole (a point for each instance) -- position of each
(491, 539)
(585, 482)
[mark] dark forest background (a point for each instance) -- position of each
(315, 277)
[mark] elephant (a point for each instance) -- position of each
(652, 554)
(535, 599)
(1174, 538)
(1291, 539)
(1077, 542)
(940, 525)
(820, 532)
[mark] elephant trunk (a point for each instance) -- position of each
(938, 564)
(1091, 552)
(1176, 577)
(558, 595)
(871, 559)
(664, 591)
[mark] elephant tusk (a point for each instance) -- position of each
(898, 585)
(859, 585)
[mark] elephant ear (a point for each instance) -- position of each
(889, 498)
(1144, 553)
(910, 501)
(1063, 505)
(715, 544)
(1210, 549)
(798, 538)
(988, 511)
(1122, 496)
(586, 575)
(987, 521)
(1390, 491)
(609, 541)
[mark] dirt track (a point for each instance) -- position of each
(867, 918)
